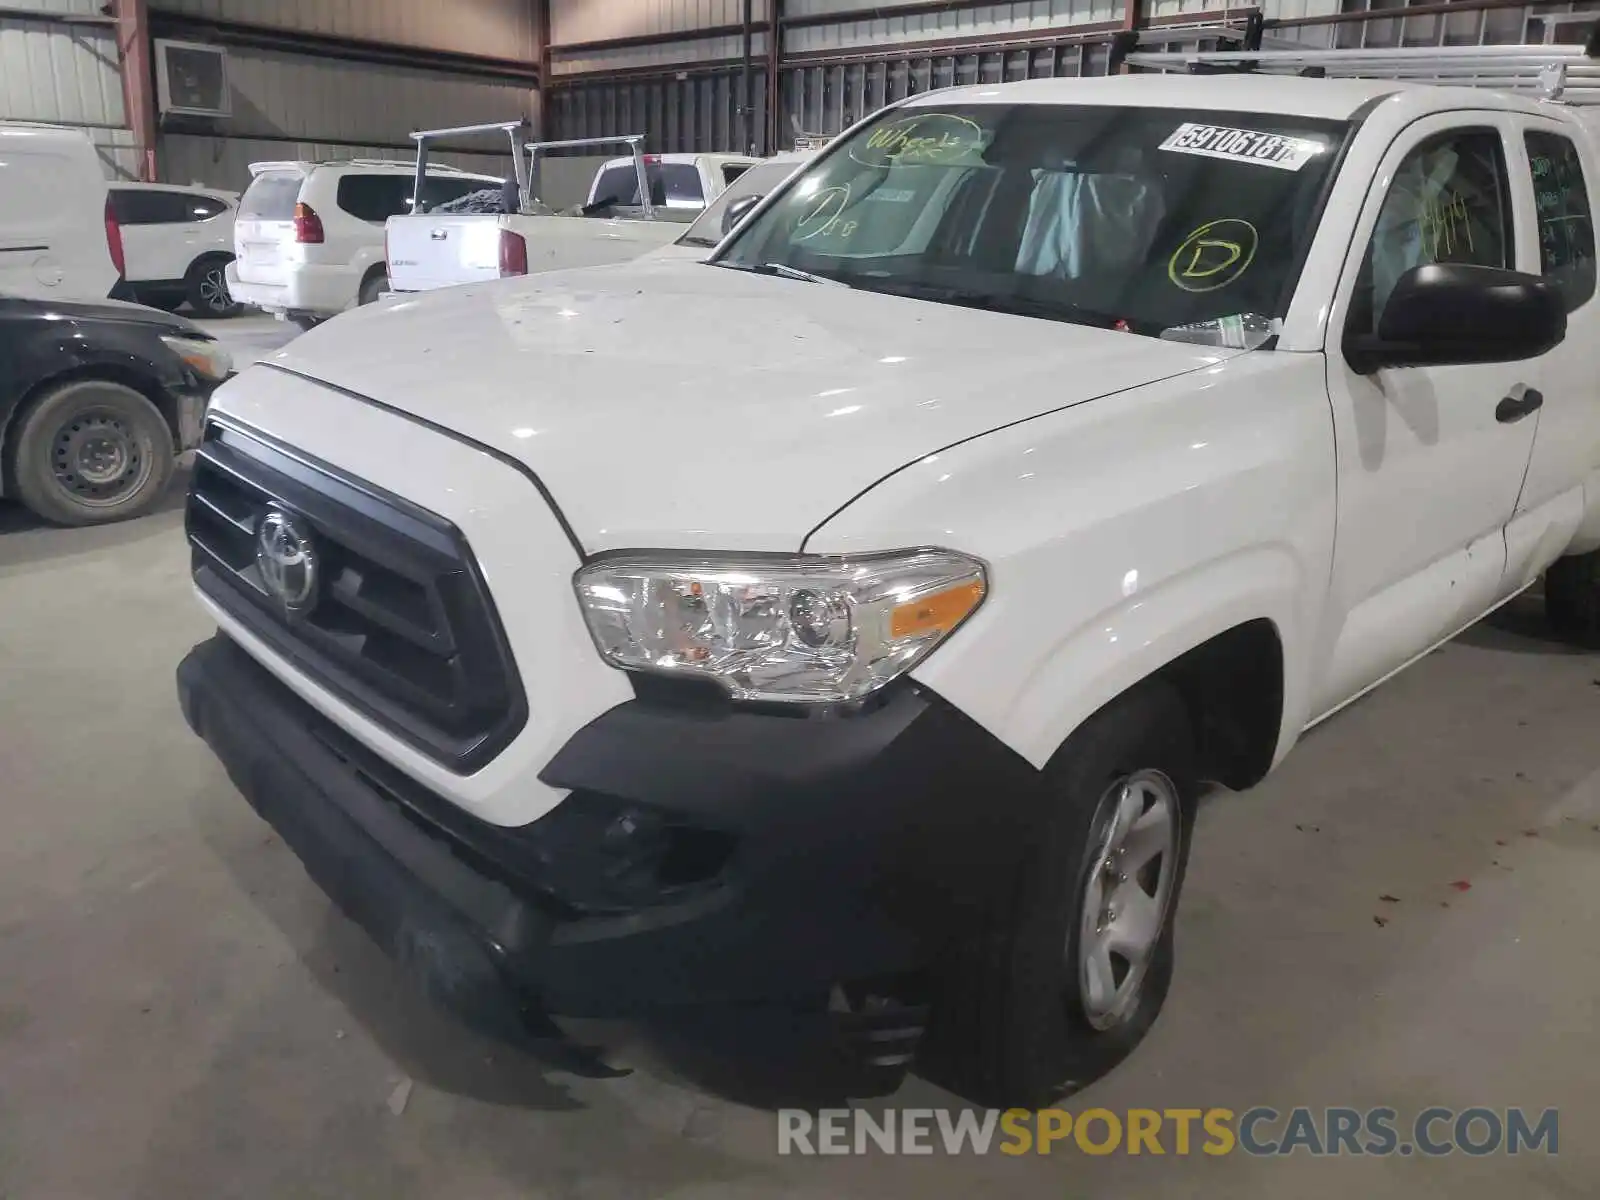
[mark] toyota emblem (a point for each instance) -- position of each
(287, 560)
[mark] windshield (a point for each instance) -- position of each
(757, 181)
(1186, 225)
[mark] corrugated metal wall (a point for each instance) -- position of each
(608, 20)
(66, 74)
(63, 67)
(991, 20)
(685, 53)
(225, 161)
(298, 96)
(831, 72)
(294, 106)
(494, 28)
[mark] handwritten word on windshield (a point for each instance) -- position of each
(929, 139)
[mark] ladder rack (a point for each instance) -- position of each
(1570, 74)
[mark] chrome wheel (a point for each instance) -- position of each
(214, 290)
(1128, 894)
(98, 459)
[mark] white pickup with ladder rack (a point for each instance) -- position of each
(1570, 74)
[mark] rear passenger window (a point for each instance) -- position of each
(732, 171)
(203, 208)
(375, 198)
(147, 206)
(1566, 222)
(1449, 203)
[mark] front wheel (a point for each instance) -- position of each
(1076, 963)
(89, 452)
(1572, 599)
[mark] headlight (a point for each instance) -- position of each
(206, 358)
(811, 628)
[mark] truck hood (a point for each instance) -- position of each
(684, 405)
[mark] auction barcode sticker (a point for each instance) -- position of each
(1243, 145)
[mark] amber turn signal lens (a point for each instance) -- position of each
(937, 613)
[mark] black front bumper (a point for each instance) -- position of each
(703, 856)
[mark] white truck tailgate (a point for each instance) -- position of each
(434, 250)
(440, 250)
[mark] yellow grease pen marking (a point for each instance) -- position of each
(1214, 255)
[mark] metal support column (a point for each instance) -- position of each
(774, 88)
(541, 55)
(747, 133)
(138, 81)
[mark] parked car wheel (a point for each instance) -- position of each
(1572, 599)
(372, 287)
(207, 287)
(1075, 966)
(91, 451)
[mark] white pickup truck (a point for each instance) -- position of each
(853, 618)
(429, 250)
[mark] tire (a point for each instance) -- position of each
(91, 422)
(372, 287)
(1572, 599)
(1017, 1025)
(206, 288)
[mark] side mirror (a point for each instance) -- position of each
(1449, 314)
(737, 211)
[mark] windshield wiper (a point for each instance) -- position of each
(696, 240)
(1001, 302)
(782, 271)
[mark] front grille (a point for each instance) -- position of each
(401, 626)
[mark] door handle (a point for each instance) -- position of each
(439, 235)
(1521, 402)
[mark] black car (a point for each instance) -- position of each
(97, 399)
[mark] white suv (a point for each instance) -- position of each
(177, 243)
(309, 237)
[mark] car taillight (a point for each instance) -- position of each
(513, 254)
(114, 239)
(307, 225)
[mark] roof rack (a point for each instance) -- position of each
(514, 130)
(1570, 74)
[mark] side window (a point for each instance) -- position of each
(203, 208)
(1449, 203)
(374, 198)
(147, 206)
(732, 171)
(1566, 223)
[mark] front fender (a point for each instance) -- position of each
(1119, 535)
(54, 350)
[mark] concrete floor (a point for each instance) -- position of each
(182, 1014)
